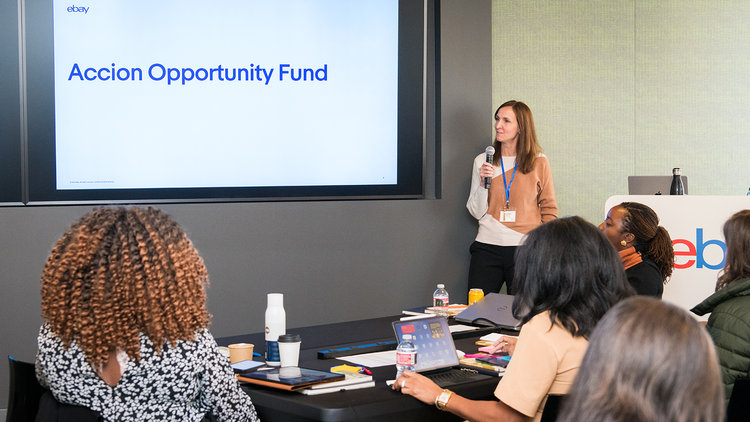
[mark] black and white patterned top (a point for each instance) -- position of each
(182, 383)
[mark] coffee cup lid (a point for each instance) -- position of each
(289, 338)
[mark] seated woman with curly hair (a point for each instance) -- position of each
(125, 329)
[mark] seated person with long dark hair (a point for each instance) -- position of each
(648, 361)
(125, 323)
(644, 246)
(567, 276)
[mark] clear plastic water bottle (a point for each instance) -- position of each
(440, 297)
(677, 187)
(406, 355)
(275, 326)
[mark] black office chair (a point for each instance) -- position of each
(50, 410)
(24, 392)
(552, 407)
(738, 409)
(28, 401)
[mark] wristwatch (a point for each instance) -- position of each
(441, 401)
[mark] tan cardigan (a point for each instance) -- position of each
(532, 196)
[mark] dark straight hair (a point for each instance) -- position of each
(568, 267)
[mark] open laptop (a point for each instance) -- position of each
(436, 352)
(652, 185)
(493, 310)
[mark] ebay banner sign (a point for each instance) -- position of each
(695, 225)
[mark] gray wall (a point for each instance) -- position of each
(334, 260)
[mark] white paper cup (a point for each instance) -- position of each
(289, 345)
(240, 351)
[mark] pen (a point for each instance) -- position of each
(366, 370)
(483, 356)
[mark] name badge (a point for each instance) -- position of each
(507, 216)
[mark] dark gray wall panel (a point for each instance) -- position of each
(333, 260)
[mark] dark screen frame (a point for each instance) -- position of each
(41, 129)
(11, 160)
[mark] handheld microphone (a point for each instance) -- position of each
(489, 153)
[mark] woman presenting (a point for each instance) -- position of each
(521, 196)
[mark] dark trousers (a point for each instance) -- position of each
(491, 266)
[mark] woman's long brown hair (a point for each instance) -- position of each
(120, 272)
(635, 368)
(737, 236)
(527, 148)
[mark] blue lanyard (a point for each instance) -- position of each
(507, 185)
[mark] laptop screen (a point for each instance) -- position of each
(432, 337)
(494, 310)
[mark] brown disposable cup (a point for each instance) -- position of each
(240, 351)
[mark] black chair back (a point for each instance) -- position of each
(50, 410)
(738, 409)
(24, 392)
(552, 407)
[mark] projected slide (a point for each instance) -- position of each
(183, 94)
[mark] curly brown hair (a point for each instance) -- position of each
(120, 272)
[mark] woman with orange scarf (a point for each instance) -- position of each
(644, 246)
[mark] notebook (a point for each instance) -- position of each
(436, 352)
(652, 185)
(353, 381)
(493, 310)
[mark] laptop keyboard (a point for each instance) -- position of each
(454, 377)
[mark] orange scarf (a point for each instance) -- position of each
(630, 257)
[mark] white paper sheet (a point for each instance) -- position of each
(495, 336)
(460, 328)
(372, 360)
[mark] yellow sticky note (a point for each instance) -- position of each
(346, 368)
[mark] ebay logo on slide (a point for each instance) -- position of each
(694, 252)
(78, 9)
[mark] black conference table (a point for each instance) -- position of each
(369, 404)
